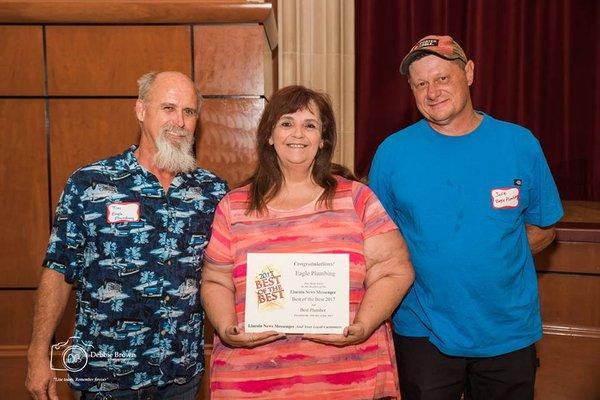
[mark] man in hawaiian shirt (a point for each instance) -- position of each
(129, 233)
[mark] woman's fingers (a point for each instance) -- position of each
(335, 340)
(352, 334)
(237, 338)
(263, 338)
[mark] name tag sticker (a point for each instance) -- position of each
(505, 197)
(122, 212)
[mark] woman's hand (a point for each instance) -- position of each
(234, 336)
(218, 298)
(353, 334)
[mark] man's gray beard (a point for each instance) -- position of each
(175, 157)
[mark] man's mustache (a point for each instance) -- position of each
(175, 130)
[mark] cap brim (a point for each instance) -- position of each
(405, 64)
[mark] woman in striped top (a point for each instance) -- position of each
(298, 201)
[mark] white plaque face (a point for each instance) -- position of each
(297, 292)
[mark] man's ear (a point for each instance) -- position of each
(470, 71)
(140, 110)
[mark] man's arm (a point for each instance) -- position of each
(539, 238)
(52, 297)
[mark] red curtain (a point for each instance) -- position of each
(537, 63)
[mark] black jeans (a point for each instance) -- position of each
(427, 374)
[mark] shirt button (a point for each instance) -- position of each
(163, 332)
(169, 262)
(170, 229)
(167, 298)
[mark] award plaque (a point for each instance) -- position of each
(297, 292)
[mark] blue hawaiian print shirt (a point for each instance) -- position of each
(135, 254)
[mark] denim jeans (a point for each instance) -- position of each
(187, 391)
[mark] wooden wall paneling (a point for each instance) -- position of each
(16, 308)
(578, 232)
(24, 183)
(581, 211)
(229, 59)
(228, 137)
(569, 286)
(569, 368)
(570, 299)
(578, 257)
(13, 370)
(21, 61)
(108, 60)
(16, 312)
(105, 61)
(87, 130)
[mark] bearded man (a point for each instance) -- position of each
(129, 233)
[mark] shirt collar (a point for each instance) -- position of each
(130, 159)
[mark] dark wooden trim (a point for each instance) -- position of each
(12, 351)
(270, 25)
(132, 11)
(572, 330)
(578, 232)
(139, 12)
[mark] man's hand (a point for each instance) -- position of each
(353, 334)
(52, 297)
(234, 336)
(41, 379)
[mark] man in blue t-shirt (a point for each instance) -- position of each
(474, 198)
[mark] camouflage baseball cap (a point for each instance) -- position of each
(442, 46)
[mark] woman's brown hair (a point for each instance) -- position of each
(267, 179)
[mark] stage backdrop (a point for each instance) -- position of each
(536, 64)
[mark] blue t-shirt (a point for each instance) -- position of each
(462, 204)
(135, 254)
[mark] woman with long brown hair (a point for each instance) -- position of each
(298, 201)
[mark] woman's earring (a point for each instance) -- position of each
(271, 141)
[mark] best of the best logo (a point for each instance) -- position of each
(269, 289)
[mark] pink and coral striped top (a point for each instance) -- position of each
(293, 368)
